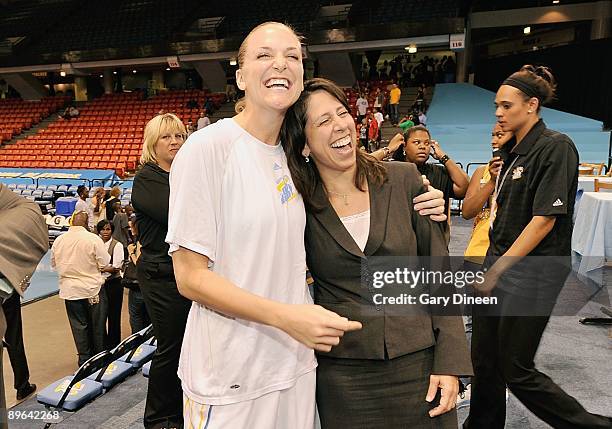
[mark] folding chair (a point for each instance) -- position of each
(117, 370)
(144, 352)
(146, 369)
(72, 392)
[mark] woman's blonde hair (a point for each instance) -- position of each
(160, 124)
(240, 104)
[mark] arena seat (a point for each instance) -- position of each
(146, 368)
(17, 115)
(144, 352)
(117, 370)
(72, 392)
(107, 134)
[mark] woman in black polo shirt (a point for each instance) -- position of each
(167, 308)
(533, 205)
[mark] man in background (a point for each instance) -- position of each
(80, 258)
(203, 121)
(83, 205)
(394, 99)
(25, 239)
(362, 107)
(121, 226)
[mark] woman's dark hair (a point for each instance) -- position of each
(100, 226)
(414, 129)
(540, 80)
(305, 175)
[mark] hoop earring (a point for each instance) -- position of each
(307, 159)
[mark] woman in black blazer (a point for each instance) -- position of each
(399, 371)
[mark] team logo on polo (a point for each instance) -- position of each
(558, 203)
(517, 173)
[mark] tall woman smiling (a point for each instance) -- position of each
(528, 261)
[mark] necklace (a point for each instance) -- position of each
(343, 196)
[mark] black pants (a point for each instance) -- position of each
(168, 311)
(14, 341)
(88, 325)
(503, 349)
(114, 296)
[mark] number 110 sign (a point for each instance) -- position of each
(457, 41)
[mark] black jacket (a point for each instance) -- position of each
(336, 263)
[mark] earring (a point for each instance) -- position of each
(529, 111)
(306, 159)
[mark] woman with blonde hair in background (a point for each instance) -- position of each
(163, 137)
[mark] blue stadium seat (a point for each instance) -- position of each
(52, 188)
(26, 192)
(146, 368)
(37, 193)
(47, 195)
(22, 186)
(73, 188)
(42, 187)
(118, 370)
(144, 353)
(32, 186)
(140, 355)
(62, 188)
(114, 373)
(72, 392)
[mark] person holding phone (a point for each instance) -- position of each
(447, 177)
(477, 202)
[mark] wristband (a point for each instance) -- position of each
(444, 159)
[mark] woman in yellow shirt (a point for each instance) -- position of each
(477, 201)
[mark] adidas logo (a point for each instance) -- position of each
(558, 203)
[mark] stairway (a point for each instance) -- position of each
(226, 110)
(32, 130)
(406, 101)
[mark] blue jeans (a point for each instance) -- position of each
(139, 318)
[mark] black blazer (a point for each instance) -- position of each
(335, 262)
